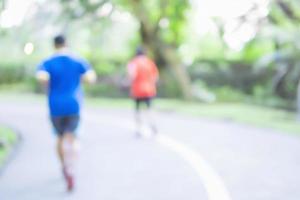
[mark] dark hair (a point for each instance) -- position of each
(59, 40)
(140, 51)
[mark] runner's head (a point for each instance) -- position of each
(59, 42)
(140, 51)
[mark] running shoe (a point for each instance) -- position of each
(69, 180)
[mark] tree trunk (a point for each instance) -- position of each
(179, 71)
(279, 81)
(167, 56)
(164, 54)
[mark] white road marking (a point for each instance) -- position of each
(215, 187)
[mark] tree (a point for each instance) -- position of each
(283, 21)
(161, 29)
(2, 6)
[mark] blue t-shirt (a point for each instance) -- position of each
(64, 92)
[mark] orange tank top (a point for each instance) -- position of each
(144, 75)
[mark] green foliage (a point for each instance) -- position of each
(256, 48)
(108, 42)
(168, 87)
(228, 94)
(7, 139)
(175, 13)
(105, 90)
(167, 17)
(210, 47)
(202, 92)
(8, 135)
(11, 72)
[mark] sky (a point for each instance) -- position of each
(228, 10)
(15, 12)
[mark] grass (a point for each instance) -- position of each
(258, 116)
(110, 102)
(8, 138)
(250, 114)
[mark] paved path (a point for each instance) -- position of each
(253, 164)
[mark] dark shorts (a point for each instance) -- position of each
(143, 101)
(65, 124)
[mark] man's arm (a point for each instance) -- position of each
(42, 76)
(131, 71)
(89, 76)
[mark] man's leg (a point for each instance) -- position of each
(149, 114)
(69, 158)
(67, 145)
(138, 118)
(58, 123)
(59, 149)
(70, 149)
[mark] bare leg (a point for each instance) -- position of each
(70, 153)
(138, 122)
(59, 149)
(149, 114)
(69, 149)
(66, 149)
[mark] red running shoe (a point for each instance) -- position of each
(69, 180)
(70, 183)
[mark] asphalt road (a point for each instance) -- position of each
(193, 159)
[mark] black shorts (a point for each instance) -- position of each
(147, 101)
(65, 124)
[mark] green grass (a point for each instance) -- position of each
(16, 88)
(9, 138)
(258, 116)
(254, 115)
(110, 102)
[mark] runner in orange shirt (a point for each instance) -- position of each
(143, 75)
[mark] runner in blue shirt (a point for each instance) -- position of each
(62, 74)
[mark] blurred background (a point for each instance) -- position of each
(233, 50)
(226, 60)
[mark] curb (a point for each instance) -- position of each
(13, 151)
